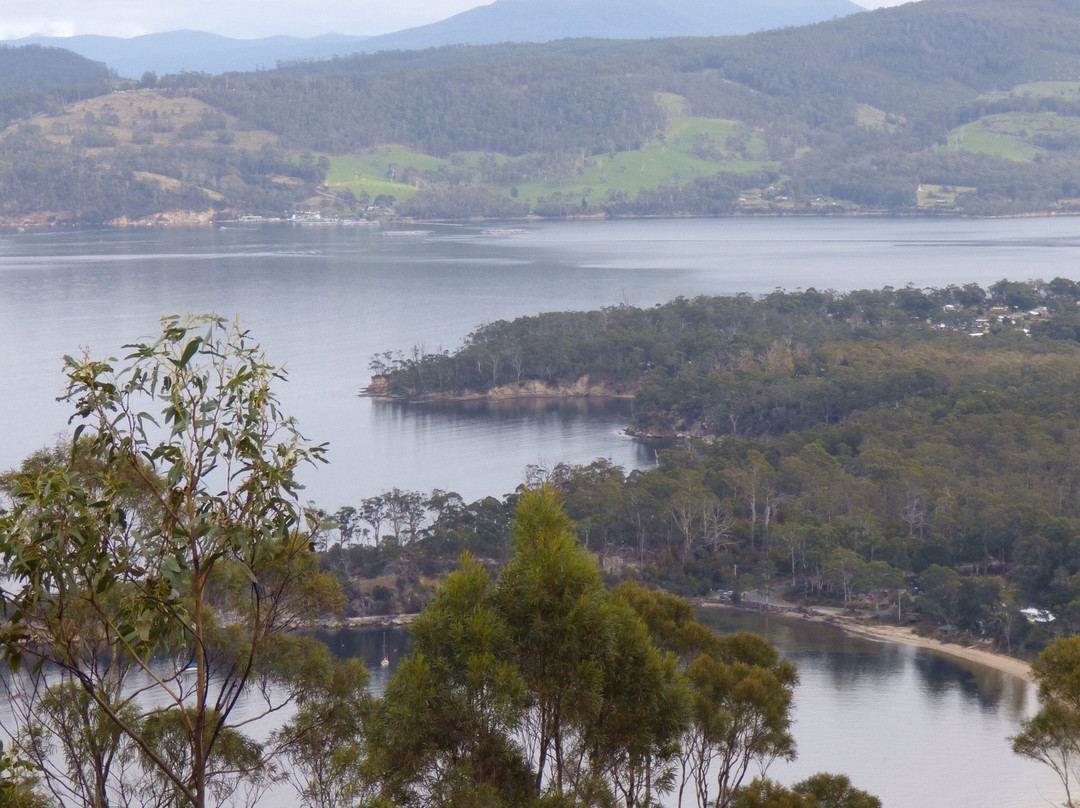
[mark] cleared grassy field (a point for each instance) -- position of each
(1039, 89)
(936, 197)
(378, 171)
(995, 143)
(1017, 136)
(690, 147)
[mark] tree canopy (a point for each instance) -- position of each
(157, 568)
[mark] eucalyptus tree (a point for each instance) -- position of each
(444, 732)
(541, 685)
(741, 697)
(1052, 735)
(323, 742)
(605, 705)
(821, 790)
(160, 568)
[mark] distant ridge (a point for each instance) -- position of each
(502, 21)
(546, 20)
(198, 51)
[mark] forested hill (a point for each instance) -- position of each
(953, 106)
(929, 429)
(36, 79)
(923, 67)
(735, 366)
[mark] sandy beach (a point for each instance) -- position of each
(991, 659)
(900, 634)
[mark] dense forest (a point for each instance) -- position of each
(960, 106)
(38, 79)
(839, 444)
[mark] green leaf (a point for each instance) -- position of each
(189, 351)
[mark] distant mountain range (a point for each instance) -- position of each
(546, 20)
(197, 51)
(501, 21)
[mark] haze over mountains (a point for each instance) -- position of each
(502, 21)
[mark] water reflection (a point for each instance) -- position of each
(913, 726)
(514, 408)
(366, 644)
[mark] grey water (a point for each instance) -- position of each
(322, 301)
(910, 725)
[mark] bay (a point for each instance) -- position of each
(324, 300)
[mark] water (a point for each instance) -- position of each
(323, 301)
(912, 726)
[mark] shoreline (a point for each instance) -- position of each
(1012, 666)
(528, 390)
(435, 398)
(878, 632)
(52, 220)
(902, 635)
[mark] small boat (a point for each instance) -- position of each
(385, 659)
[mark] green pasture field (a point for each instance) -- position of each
(1011, 135)
(669, 158)
(370, 171)
(1038, 89)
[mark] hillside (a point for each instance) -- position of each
(952, 107)
(197, 51)
(36, 78)
(142, 155)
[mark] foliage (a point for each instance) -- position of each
(1052, 736)
(543, 685)
(17, 782)
(818, 791)
(165, 557)
(849, 443)
(741, 696)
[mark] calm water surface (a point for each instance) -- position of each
(323, 301)
(916, 728)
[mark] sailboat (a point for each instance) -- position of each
(385, 658)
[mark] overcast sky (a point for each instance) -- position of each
(237, 18)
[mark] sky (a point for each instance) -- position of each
(236, 18)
